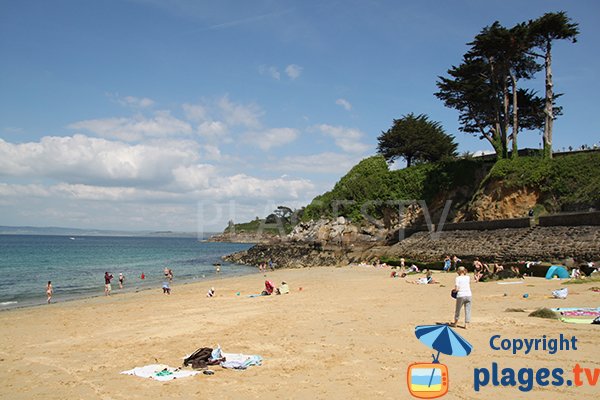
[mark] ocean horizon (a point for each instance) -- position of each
(76, 265)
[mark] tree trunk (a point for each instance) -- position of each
(515, 122)
(506, 116)
(548, 108)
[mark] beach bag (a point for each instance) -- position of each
(453, 293)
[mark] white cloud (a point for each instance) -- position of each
(194, 177)
(83, 159)
(135, 128)
(293, 71)
(348, 139)
(344, 103)
(272, 71)
(131, 101)
(195, 112)
(245, 186)
(326, 163)
(213, 130)
(239, 114)
(270, 138)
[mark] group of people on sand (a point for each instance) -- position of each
(451, 263)
(270, 288)
(108, 278)
(262, 267)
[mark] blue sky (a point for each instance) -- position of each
(181, 115)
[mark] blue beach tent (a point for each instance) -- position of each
(557, 270)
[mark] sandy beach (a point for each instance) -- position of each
(348, 334)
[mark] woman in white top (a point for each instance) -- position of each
(463, 296)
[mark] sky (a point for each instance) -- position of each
(184, 114)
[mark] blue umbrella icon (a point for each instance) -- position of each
(443, 339)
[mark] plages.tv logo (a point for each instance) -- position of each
(429, 380)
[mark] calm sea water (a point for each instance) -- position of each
(76, 265)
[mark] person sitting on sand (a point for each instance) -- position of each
(425, 280)
(575, 273)
(498, 268)
(283, 289)
(269, 287)
(413, 268)
(517, 272)
(211, 292)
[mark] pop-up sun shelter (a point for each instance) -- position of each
(557, 270)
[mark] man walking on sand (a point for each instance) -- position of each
(107, 279)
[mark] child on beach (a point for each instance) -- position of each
(166, 288)
(49, 291)
(211, 292)
(121, 280)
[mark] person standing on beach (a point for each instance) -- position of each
(107, 278)
(462, 286)
(49, 291)
(121, 280)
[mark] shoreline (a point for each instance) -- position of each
(115, 292)
(349, 333)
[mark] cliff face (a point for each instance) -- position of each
(496, 201)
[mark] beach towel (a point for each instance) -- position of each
(578, 320)
(240, 361)
(509, 283)
(160, 372)
(581, 313)
(561, 309)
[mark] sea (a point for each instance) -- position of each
(76, 265)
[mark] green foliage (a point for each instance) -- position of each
(256, 226)
(370, 187)
(416, 139)
(573, 181)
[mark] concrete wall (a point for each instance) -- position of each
(571, 219)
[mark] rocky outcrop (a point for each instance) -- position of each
(337, 232)
(245, 237)
(289, 255)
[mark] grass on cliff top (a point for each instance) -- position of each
(259, 225)
(572, 180)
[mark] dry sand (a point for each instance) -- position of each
(349, 334)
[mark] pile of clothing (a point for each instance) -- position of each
(206, 356)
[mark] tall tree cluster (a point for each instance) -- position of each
(485, 88)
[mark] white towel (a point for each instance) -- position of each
(150, 371)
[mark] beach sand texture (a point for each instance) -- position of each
(348, 334)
